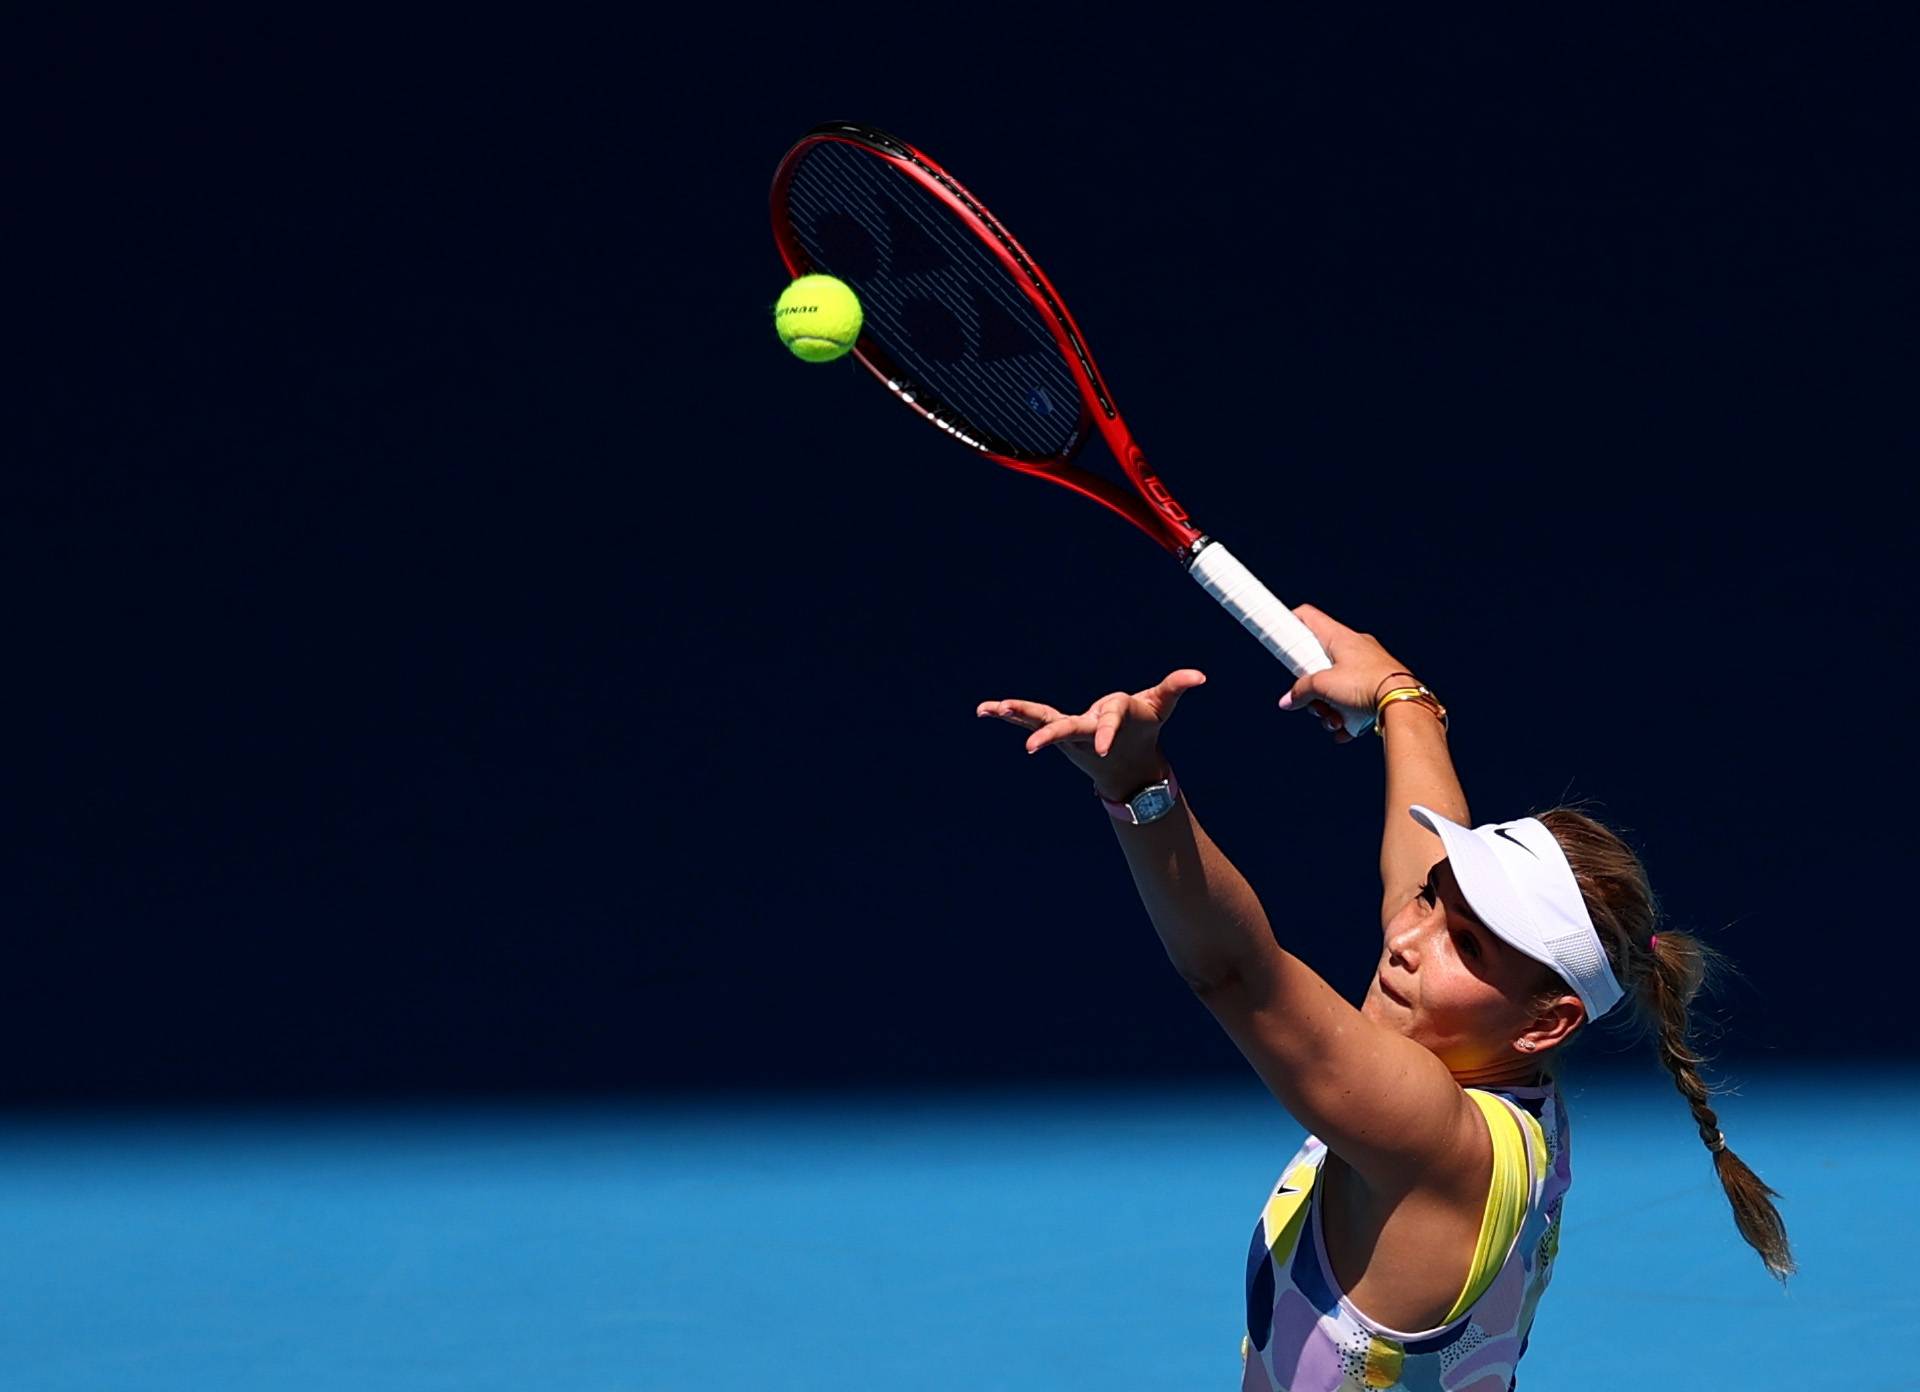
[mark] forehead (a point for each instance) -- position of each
(1456, 901)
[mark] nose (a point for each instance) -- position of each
(1403, 939)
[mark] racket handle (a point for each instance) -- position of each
(1222, 575)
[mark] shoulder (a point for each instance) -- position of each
(1441, 1147)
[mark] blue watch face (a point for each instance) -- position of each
(1156, 801)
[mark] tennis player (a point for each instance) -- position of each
(1408, 1242)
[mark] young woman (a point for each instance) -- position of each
(1408, 1242)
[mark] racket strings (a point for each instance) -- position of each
(936, 300)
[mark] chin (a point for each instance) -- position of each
(1384, 1012)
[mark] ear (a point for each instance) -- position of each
(1556, 1020)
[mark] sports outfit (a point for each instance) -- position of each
(1305, 1335)
(1303, 1332)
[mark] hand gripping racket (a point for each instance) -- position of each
(963, 326)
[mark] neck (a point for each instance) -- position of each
(1515, 1072)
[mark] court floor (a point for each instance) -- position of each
(1054, 1239)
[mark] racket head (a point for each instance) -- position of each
(961, 323)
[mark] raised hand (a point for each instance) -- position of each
(1361, 666)
(1115, 741)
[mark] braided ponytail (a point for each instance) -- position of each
(1662, 973)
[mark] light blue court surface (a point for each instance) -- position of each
(1056, 1240)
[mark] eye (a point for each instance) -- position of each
(1468, 946)
(1428, 893)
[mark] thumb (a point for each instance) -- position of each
(1174, 685)
(1321, 625)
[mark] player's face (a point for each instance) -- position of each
(1446, 982)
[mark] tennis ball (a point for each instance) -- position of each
(818, 318)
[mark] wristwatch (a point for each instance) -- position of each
(1150, 804)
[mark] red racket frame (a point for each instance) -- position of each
(1151, 508)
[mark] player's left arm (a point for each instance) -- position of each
(1382, 1102)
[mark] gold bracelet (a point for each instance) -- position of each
(1418, 694)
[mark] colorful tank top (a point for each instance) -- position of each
(1304, 1335)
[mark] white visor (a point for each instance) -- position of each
(1517, 881)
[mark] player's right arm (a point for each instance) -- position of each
(1419, 765)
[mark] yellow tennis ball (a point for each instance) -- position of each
(818, 317)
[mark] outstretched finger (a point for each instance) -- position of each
(1304, 692)
(1106, 724)
(1030, 715)
(1066, 727)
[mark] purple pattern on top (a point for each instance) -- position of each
(1318, 1364)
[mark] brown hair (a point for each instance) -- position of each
(1661, 981)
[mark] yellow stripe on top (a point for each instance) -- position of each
(1507, 1194)
(1286, 1212)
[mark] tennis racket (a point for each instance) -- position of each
(963, 326)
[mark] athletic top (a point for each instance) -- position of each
(1305, 1335)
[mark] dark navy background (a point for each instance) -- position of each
(451, 646)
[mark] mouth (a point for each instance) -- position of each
(1392, 994)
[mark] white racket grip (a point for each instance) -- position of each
(1222, 575)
